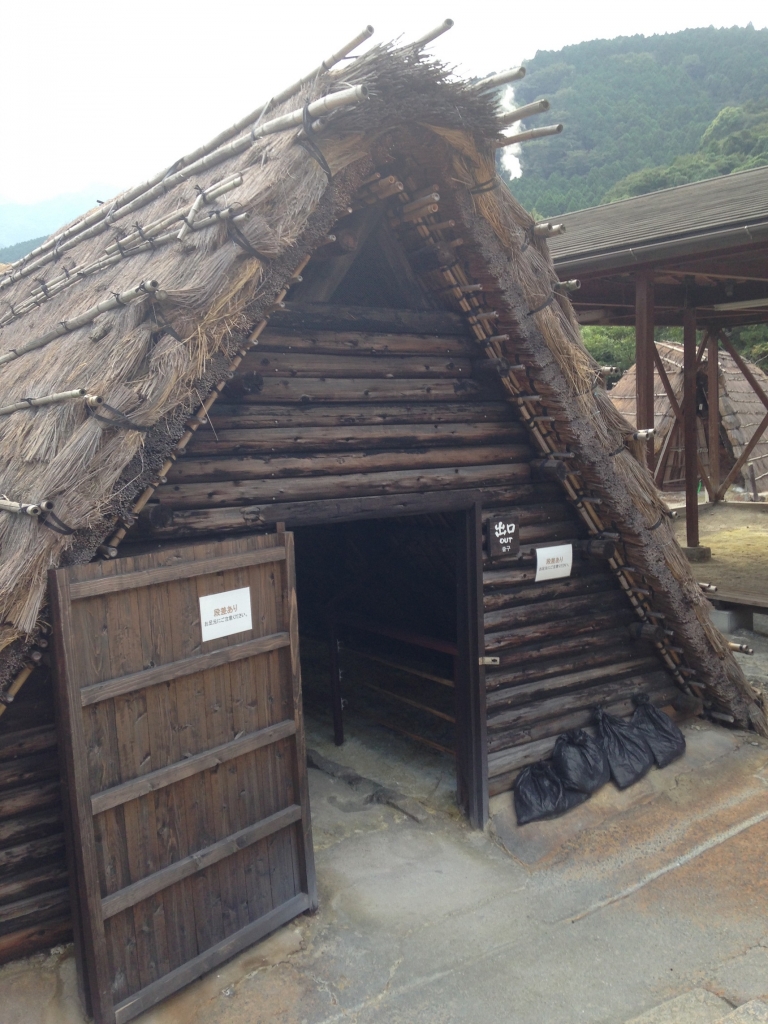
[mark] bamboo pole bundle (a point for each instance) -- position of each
(115, 302)
(60, 396)
(539, 107)
(102, 215)
(25, 508)
(434, 34)
(533, 133)
(547, 229)
(503, 78)
(130, 245)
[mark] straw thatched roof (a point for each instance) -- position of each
(193, 300)
(740, 408)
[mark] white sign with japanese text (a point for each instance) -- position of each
(222, 614)
(554, 562)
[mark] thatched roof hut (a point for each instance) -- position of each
(416, 354)
(741, 412)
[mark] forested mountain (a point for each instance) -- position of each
(15, 252)
(646, 112)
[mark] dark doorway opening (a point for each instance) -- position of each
(389, 652)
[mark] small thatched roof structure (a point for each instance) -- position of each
(184, 267)
(741, 411)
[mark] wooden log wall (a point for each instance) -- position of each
(324, 424)
(34, 894)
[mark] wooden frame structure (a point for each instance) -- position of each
(698, 257)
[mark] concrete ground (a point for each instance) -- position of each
(629, 900)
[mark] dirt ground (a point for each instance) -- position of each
(737, 532)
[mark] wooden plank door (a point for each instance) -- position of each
(179, 715)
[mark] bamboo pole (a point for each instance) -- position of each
(109, 548)
(118, 207)
(495, 81)
(21, 678)
(145, 288)
(547, 229)
(454, 277)
(521, 113)
(60, 396)
(534, 133)
(434, 34)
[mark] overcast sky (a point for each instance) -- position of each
(101, 93)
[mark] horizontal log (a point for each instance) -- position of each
(604, 649)
(559, 610)
(110, 688)
(524, 693)
(307, 513)
(243, 492)
(300, 317)
(361, 389)
(534, 514)
(32, 768)
(180, 869)
(16, 944)
(512, 575)
(537, 533)
(234, 415)
(543, 631)
(575, 700)
(142, 785)
(359, 343)
(25, 855)
(366, 438)
(507, 758)
(27, 741)
(538, 655)
(44, 906)
(293, 467)
(29, 826)
(373, 367)
(20, 885)
(30, 798)
(513, 597)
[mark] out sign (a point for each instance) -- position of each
(504, 535)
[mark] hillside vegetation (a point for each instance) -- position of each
(642, 113)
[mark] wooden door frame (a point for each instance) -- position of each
(471, 736)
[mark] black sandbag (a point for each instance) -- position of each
(660, 732)
(540, 793)
(580, 762)
(627, 751)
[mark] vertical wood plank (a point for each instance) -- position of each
(713, 415)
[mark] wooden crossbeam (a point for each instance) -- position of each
(159, 880)
(167, 573)
(189, 766)
(178, 669)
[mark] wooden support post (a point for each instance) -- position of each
(713, 402)
(644, 344)
(690, 440)
(337, 706)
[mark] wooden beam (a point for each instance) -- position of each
(644, 347)
(189, 766)
(319, 316)
(737, 358)
(199, 861)
(744, 456)
(690, 441)
(177, 571)
(178, 669)
(679, 418)
(713, 403)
